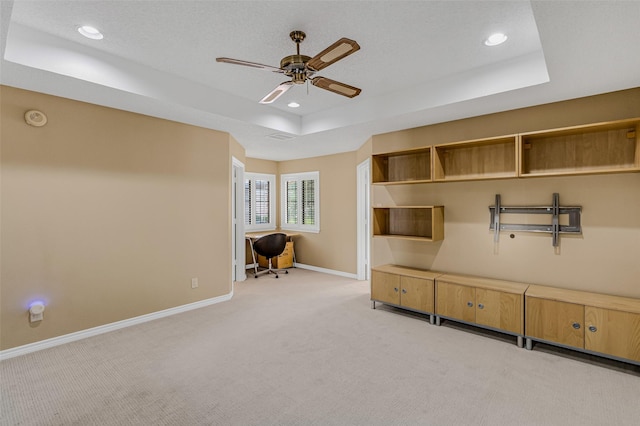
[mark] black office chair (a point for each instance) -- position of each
(270, 246)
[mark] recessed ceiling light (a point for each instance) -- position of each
(90, 32)
(293, 105)
(495, 39)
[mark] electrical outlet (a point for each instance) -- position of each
(194, 283)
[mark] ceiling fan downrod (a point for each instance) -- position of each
(294, 65)
(298, 37)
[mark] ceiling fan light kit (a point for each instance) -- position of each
(301, 68)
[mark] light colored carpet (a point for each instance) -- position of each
(307, 349)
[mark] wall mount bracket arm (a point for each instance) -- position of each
(555, 210)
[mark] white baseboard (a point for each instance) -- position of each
(90, 332)
(326, 271)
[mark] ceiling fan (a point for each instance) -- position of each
(301, 68)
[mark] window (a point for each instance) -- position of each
(259, 202)
(301, 201)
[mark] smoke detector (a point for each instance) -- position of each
(35, 118)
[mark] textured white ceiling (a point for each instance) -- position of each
(420, 61)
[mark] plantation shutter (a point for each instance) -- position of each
(262, 201)
(292, 202)
(300, 201)
(248, 214)
(308, 202)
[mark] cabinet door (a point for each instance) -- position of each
(385, 287)
(456, 301)
(499, 310)
(417, 293)
(612, 332)
(555, 321)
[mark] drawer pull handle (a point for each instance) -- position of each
(576, 325)
(592, 328)
(470, 304)
(395, 289)
(404, 291)
(480, 306)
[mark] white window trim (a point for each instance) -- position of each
(284, 178)
(272, 201)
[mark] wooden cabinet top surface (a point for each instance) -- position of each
(598, 300)
(407, 271)
(487, 283)
(408, 151)
(584, 128)
(478, 142)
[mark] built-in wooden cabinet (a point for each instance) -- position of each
(407, 288)
(492, 158)
(420, 223)
(599, 323)
(401, 167)
(489, 303)
(595, 323)
(610, 147)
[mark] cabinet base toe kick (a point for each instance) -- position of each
(519, 337)
(530, 342)
(432, 318)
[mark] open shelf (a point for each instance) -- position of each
(421, 223)
(610, 147)
(411, 166)
(494, 158)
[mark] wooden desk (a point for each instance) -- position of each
(256, 235)
(252, 236)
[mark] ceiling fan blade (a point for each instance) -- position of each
(249, 64)
(335, 52)
(335, 87)
(277, 92)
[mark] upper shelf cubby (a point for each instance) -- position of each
(410, 166)
(493, 158)
(610, 147)
(418, 223)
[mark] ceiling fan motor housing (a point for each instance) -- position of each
(294, 66)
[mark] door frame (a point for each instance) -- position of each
(238, 252)
(364, 220)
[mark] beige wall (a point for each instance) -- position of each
(611, 106)
(236, 150)
(254, 165)
(334, 247)
(605, 258)
(107, 215)
(364, 152)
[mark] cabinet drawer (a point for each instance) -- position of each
(385, 287)
(559, 322)
(612, 332)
